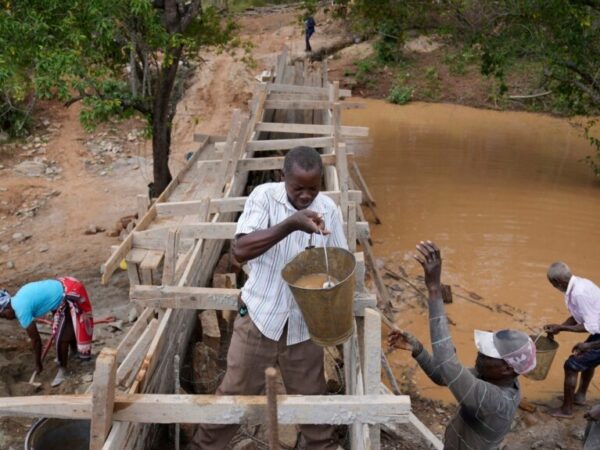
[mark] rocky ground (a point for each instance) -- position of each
(63, 192)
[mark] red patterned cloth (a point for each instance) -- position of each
(75, 303)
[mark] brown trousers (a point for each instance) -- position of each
(250, 353)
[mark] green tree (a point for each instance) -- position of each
(562, 35)
(117, 57)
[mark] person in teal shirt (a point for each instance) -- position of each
(64, 298)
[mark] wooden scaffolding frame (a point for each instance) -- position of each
(181, 235)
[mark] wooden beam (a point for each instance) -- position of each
(103, 396)
(274, 163)
(156, 238)
(185, 297)
(143, 203)
(285, 144)
(219, 409)
(230, 204)
(372, 364)
(298, 89)
(133, 361)
(134, 334)
(310, 104)
(308, 128)
(171, 254)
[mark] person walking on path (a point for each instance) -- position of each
(582, 298)
(72, 324)
(276, 224)
(309, 30)
(488, 395)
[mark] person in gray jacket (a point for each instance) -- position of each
(488, 395)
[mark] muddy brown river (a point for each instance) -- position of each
(504, 195)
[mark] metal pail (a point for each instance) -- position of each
(327, 312)
(545, 351)
(58, 434)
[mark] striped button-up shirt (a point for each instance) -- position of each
(268, 298)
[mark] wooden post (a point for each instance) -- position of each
(143, 203)
(171, 253)
(272, 423)
(351, 227)
(177, 387)
(103, 397)
(372, 365)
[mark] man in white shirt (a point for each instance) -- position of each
(583, 302)
(277, 223)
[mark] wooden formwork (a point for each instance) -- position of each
(172, 252)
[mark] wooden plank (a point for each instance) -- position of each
(185, 297)
(234, 128)
(133, 260)
(230, 204)
(284, 144)
(372, 365)
(103, 396)
(150, 264)
(351, 227)
(171, 254)
(309, 128)
(133, 334)
(274, 163)
(359, 272)
(134, 358)
(362, 183)
(156, 237)
(310, 104)
(217, 409)
(425, 432)
(296, 89)
(143, 203)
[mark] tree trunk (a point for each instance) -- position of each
(161, 148)
(163, 113)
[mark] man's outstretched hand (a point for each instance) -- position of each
(405, 341)
(430, 259)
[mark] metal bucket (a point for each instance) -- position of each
(328, 312)
(58, 434)
(545, 351)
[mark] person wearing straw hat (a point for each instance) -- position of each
(72, 325)
(489, 394)
(278, 222)
(582, 298)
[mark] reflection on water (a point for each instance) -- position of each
(504, 195)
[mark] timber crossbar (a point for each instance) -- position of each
(200, 298)
(217, 409)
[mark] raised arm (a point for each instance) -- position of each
(465, 387)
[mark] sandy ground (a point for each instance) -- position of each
(97, 194)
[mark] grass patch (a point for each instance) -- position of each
(400, 94)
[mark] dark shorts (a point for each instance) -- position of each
(586, 360)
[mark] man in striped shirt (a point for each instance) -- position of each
(278, 222)
(489, 395)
